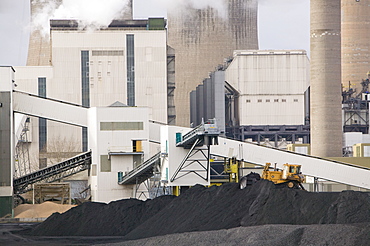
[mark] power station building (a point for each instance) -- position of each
(202, 38)
(127, 64)
(259, 95)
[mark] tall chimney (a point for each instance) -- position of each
(326, 112)
(355, 42)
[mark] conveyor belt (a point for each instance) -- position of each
(198, 133)
(327, 169)
(53, 173)
(189, 138)
(141, 172)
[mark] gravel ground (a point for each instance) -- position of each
(267, 235)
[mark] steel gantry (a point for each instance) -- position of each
(205, 134)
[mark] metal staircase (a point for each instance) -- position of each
(53, 173)
(142, 172)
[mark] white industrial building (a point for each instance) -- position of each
(271, 85)
(128, 66)
(126, 62)
(264, 97)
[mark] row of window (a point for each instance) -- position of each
(269, 100)
(99, 63)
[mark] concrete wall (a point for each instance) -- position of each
(6, 141)
(202, 39)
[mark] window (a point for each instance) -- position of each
(105, 164)
(283, 100)
(276, 100)
(248, 100)
(295, 100)
(121, 126)
(84, 139)
(42, 121)
(137, 146)
(85, 90)
(130, 45)
(259, 100)
(107, 53)
(42, 87)
(267, 100)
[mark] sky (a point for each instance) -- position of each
(282, 24)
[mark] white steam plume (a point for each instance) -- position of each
(91, 14)
(219, 5)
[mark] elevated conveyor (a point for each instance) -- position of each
(335, 171)
(141, 172)
(196, 161)
(53, 173)
(205, 133)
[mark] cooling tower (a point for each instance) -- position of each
(355, 42)
(326, 112)
(202, 39)
(39, 47)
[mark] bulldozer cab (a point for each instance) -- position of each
(291, 170)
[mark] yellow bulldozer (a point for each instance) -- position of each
(290, 176)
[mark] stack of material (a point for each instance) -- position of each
(42, 210)
(209, 209)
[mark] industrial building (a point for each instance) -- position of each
(266, 93)
(126, 62)
(202, 38)
(116, 87)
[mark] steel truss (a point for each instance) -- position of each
(187, 161)
(53, 173)
(275, 133)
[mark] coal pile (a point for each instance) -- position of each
(100, 219)
(209, 209)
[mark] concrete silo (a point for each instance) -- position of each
(326, 112)
(202, 39)
(355, 42)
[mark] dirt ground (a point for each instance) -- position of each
(267, 235)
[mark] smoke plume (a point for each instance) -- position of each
(90, 14)
(95, 14)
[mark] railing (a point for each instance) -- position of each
(143, 169)
(52, 173)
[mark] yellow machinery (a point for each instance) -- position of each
(290, 176)
(231, 168)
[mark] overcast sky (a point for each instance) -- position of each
(282, 24)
